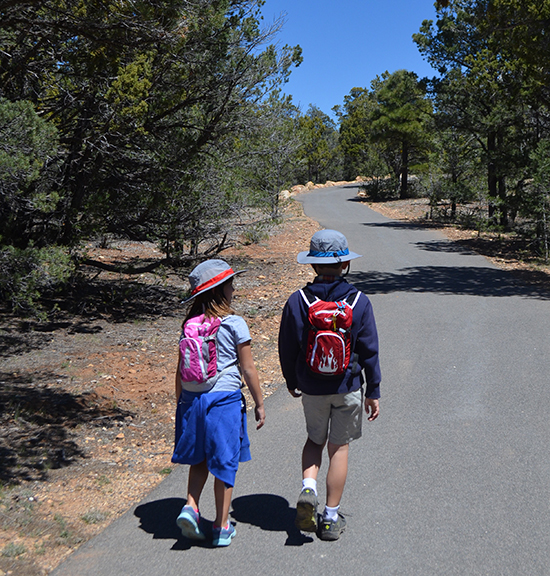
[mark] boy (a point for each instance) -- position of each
(332, 403)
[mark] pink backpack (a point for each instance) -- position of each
(199, 360)
(328, 346)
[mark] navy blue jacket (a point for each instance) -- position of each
(364, 342)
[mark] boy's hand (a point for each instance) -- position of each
(372, 408)
(259, 413)
(295, 393)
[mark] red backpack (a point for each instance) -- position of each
(328, 346)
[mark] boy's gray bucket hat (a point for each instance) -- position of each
(208, 275)
(327, 247)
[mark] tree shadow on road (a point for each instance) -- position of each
(445, 246)
(460, 280)
(271, 513)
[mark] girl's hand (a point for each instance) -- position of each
(259, 413)
(250, 376)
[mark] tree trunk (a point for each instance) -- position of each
(404, 171)
(453, 199)
(491, 173)
(503, 209)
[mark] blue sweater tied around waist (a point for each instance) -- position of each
(212, 427)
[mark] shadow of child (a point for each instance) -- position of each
(271, 513)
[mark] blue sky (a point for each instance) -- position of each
(347, 43)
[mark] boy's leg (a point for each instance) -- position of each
(333, 523)
(306, 508)
(337, 473)
(345, 427)
(317, 413)
(312, 456)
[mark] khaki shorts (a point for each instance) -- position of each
(336, 416)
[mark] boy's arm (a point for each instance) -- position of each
(367, 348)
(289, 346)
(250, 375)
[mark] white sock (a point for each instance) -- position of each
(310, 483)
(331, 513)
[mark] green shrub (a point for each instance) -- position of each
(26, 274)
(13, 550)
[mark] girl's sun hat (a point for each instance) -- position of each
(327, 247)
(208, 275)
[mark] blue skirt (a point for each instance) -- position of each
(212, 427)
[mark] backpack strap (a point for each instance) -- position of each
(306, 293)
(357, 295)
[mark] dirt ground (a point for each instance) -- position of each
(87, 403)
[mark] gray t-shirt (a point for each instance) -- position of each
(232, 332)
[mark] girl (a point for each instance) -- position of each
(211, 425)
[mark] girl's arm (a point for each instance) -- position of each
(250, 374)
(178, 379)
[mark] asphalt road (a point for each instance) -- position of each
(454, 476)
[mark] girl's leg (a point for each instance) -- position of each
(189, 520)
(222, 495)
(198, 475)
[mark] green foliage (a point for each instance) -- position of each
(359, 158)
(384, 131)
(122, 118)
(400, 122)
(13, 550)
(263, 159)
(27, 273)
(144, 96)
(452, 169)
(494, 69)
(318, 148)
(537, 198)
(94, 516)
(28, 146)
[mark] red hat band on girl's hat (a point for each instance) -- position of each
(208, 275)
(213, 281)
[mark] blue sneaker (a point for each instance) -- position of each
(223, 536)
(188, 522)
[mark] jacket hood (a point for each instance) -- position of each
(337, 290)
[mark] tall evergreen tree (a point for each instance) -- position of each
(319, 140)
(400, 122)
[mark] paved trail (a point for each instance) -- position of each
(454, 476)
